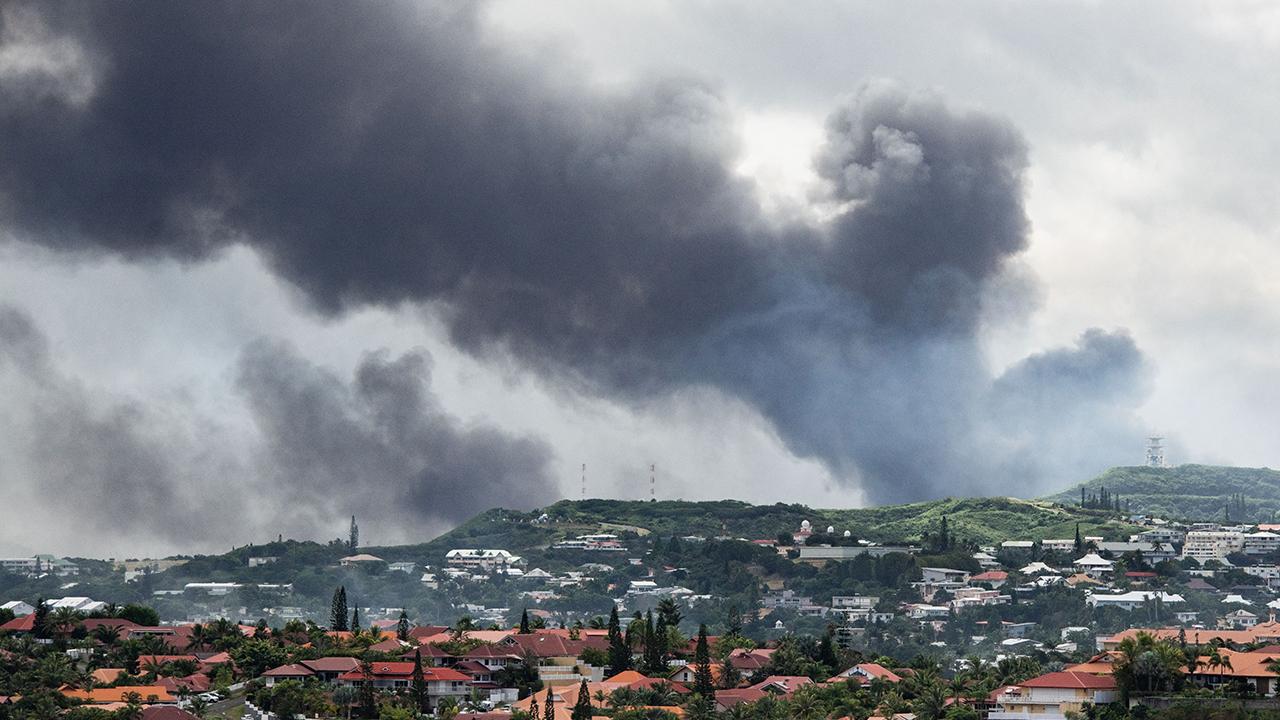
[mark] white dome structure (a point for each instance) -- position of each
(848, 534)
(831, 529)
(804, 525)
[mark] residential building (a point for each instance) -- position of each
(1094, 565)
(1151, 552)
(359, 559)
(1065, 545)
(485, 559)
(1261, 543)
(1133, 600)
(933, 575)
(260, 561)
(441, 682)
(1053, 695)
(1212, 544)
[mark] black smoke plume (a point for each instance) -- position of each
(392, 153)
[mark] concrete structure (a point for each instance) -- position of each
(1212, 544)
(1052, 696)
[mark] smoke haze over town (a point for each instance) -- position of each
(265, 266)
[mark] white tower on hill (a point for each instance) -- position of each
(1155, 452)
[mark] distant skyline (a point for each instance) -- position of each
(263, 268)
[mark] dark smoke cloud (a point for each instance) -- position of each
(384, 154)
(380, 446)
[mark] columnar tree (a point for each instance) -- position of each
(703, 682)
(418, 684)
(619, 650)
(524, 622)
(355, 619)
(402, 627)
(338, 609)
(582, 709)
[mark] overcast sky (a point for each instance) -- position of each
(216, 381)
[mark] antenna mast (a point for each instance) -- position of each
(584, 481)
(653, 495)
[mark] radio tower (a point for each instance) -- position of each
(1155, 452)
(584, 481)
(653, 495)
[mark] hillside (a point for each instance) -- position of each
(1193, 492)
(984, 520)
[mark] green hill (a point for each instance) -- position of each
(1191, 492)
(983, 520)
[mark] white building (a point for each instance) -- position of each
(1094, 565)
(1261, 543)
(487, 559)
(1212, 544)
(260, 561)
(1132, 600)
(404, 567)
(1052, 696)
(1064, 546)
(18, 608)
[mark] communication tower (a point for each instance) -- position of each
(1155, 452)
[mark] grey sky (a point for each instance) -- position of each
(1149, 190)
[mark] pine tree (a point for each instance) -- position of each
(353, 541)
(582, 709)
(355, 619)
(619, 651)
(944, 536)
(703, 682)
(1079, 540)
(549, 710)
(40, 624)
(418, 684)
(524, 622)
(338, 610)
(654, 662)
(402, 627)
(533, 707)
(669, 612)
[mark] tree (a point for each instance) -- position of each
(669, 612)
(338, 609)
(355, 618)
(418, 684)
(619, 651)
(1079, 540)
(344, 696)
(549, 710)
(402, 627)
(368, 702)
(524, 622)
(40, 624)
(703, 682)
(582, 709)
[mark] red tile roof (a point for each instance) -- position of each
(382, 670)
(1071, 680)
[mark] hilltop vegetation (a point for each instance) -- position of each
(980, 520)
(1193, 492)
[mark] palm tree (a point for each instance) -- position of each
(931, 702)
(108, 635)
(344, 696)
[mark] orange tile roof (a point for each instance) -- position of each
(117, 694)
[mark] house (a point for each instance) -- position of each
(404, 567)
(1231, 667)
(1150, 552)
(18, 608)
(483, 559)
(685, 674)
(326, 669)
(1132, 600)
(1064, 545)
(359, 559)
(1053, 695)
(866, 672)
(1239, 620)
(934, 575)
(994, 578)
(782, 685)
(1261, 543)
(1094, 565)
(145, 694)
(441, 682)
